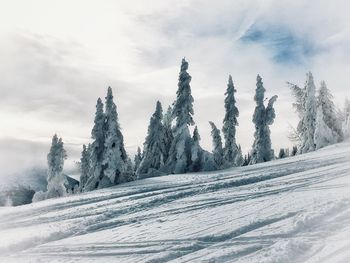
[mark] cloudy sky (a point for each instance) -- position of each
(58, 57)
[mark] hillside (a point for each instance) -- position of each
(290, 210)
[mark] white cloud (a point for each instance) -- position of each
(59, 56)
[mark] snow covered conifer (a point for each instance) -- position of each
(56, 157)
(229, 125)
(345, 119)
(247, 159)
(309, 117)
(325, 101)
(218, 151)
(239, 157)
(115, 157)
(84, 167)
(179, 160)
(296, 135)
(154, 146)
(137, 159)
(183, 106)
(51, 158)
(55, 160)
(196, 152)
(168, 131)
(282, 153)
(96, 149)
(323, 134)
(262, 118)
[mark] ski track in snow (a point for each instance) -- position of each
(291, 210)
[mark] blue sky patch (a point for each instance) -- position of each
(285, 46)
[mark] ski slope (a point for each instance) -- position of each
(290, 210)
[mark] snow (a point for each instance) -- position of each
(295, 209)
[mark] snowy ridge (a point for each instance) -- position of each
(290, 210)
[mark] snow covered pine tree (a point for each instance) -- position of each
(115, 159)
(84, 167)
(262, 118)
(55, 178)
(179, 160)
(137, 159)
(308, 121)
(328, 129)
(96, 150)
(229, 127)
(218, 151)
(154, 146)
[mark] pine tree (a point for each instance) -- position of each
(52, 159)
(296, 135)
(154, 146)
(309, 118)
(168, 131)
(183, 106)
(247, 159)
(229, 126)
(179, 160)
(129, 174)
(239, 157)
(323, 133)
(56, 157)
(282, 153)
(325, 101)
(196, 152)
(218, 151)
(96, 150)
(55, 160)
(85, 167)
(294, 151)
(345, 119)
(262, 118)
(137, 159)
(115, 157)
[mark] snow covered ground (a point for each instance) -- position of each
(291, 210)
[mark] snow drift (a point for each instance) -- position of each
(290, 210)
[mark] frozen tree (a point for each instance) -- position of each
(294, 151)
(229, 125)
(218, 151)
(179, 160)
(168, 131)
(196, 152)
(346, 111)
(183, 106)
(324, 135)
(309, 117)
(282, 154)
(344, 118)
(137, 159)
(55, 161)
(262, 118)
(325, 102)
(129, 174)
(154, 146)
(96, 150)
(115, 157)
(299, 105)
(84, 167)
(239, 157)
(247, 159)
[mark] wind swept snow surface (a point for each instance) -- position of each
(291, 210)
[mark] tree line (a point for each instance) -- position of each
(170, 147)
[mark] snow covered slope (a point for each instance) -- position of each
(291, 210)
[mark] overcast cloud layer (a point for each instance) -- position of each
(58, 57)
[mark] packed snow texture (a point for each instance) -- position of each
(295, 209)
